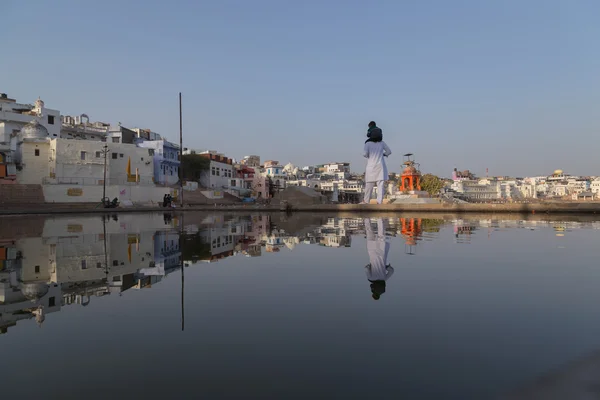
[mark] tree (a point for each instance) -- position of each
(194, 248)
(193, 165)
(432, 184)
(272, 187)
(431, 225)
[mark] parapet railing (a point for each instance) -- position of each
(123, 181)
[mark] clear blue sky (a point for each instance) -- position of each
(511, 85)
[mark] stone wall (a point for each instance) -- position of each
(93, 193)
(18, 194)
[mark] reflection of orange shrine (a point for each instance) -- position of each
(411, 230)
(411, 177)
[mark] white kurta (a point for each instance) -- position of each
(378, 248)
(376, 168)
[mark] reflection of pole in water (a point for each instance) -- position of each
(105, 252)
(182, 273)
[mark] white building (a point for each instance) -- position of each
(14, 116)
(80, 162)
(595, 187)
(340, 169)
(275, 171)
(219, 173)
(478, 191)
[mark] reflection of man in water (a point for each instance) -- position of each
(378, 270)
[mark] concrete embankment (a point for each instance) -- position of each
(531, 208)
(542, 207)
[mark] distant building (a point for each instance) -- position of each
(219, 173)
(251, 161)
(274, 171)
(557, 175)
(242, 182)
(120, 134)
(80, 128)
(474, 191)
(462, 175)
(595, 187)
(340, 169)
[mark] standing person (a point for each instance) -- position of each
(376, 172)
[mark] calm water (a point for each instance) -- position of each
(281, 307)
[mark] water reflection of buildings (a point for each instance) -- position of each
(463, 230)
(336, 232)
(75, 260)
(72, 261)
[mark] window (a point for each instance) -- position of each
(83, 155)
(218, 171)
(233, 182)
(115, 263)
(150, 152)
(83, 264)
(121, 155)
(52, 301)
(51, 119)
(213, 171)
(98, 265)
(114, 156)
(37, 269)
(142, 158)
(37, 152)
(98, 154)
(116, 279)
(115, 140)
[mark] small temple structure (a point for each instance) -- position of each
(409, 185)
(411, 176)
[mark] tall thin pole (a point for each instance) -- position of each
(104, 181)
(181, 236)
(180, 152)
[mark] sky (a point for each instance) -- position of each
(512, 86)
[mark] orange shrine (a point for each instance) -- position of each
(410, 229)
(411, 176)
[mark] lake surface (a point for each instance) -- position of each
(281, 306)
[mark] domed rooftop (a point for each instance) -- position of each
(34, 291)
(34, 130)
(558, 172)
(410, 170)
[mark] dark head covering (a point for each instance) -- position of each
(377, 289)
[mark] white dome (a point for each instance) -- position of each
(34, 130)
(34, 291)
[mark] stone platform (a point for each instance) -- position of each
(413, 197)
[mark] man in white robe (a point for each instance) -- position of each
(378, 246)
(376, 172)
